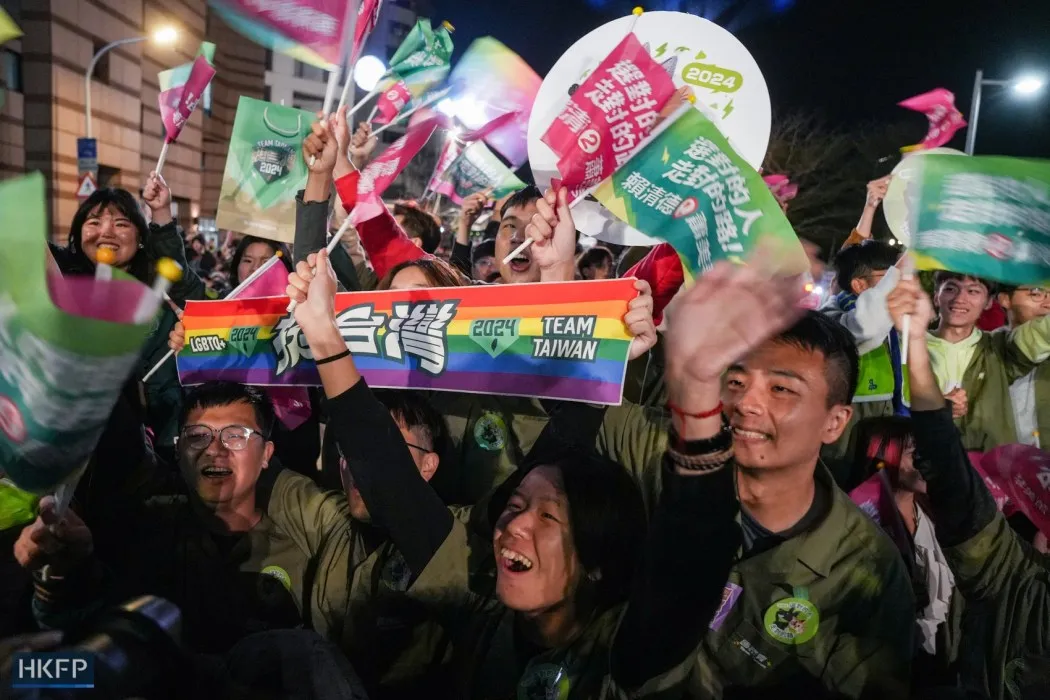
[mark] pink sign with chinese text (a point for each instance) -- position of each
(939, 107)
(392, 101)
(178, 103)
(607, 117)
(367, 18)
(1023, 472)
(382, 171)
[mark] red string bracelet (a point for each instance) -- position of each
(699, 416)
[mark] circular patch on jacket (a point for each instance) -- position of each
(792, 621)
(279, 574)
(544, 682)
(490, 432)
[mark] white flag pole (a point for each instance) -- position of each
(163, 155)
(331, 246)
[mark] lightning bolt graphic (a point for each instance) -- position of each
(666, 156)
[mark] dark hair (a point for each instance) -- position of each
(126, 204)
(942, 276)
(878, 440)
(606, 514)
(815, 332)
(415, 412)
(214, 394)
(418, 224)
(595, 257)
(235, 261)
(438, 272)
(526, 195)
(862, 260)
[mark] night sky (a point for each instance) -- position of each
(849, 60)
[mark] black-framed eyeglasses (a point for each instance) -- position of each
(1036, 293)
(232, 437)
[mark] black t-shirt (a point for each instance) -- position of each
(758, 539)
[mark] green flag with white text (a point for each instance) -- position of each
(986, 216)
(687, 186)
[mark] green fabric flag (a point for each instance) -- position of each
(986, 216)
(264, 170)
(687, 186)
(423, 57)
(61, 372)
(477, 168)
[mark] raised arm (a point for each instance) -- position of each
(694, 536)
(166, 239)
(398, 498)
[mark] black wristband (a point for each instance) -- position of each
(333, 358)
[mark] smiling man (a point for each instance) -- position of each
(213, 552)
(975, 370)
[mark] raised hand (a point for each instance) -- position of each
(312, 286)
(639, 321)
(877, 190)
(362, 145)
(729, 312)
(60, 543)
(553, 232)
(158, 198)
(909, 299)
(319, 147)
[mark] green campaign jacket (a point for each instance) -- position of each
(854, 575)
(1002, 574)
(1001, 358)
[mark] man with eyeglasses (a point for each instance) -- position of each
(1029, 395)
(212, 551)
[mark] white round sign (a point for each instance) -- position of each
(697, 53)
(895, 204)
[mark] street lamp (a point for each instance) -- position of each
(1025, 85)
(164, 36)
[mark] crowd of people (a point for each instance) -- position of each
(696, 541)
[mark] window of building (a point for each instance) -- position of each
(108, 177)
(308, 102)
(10, 70)
(308, 72)
(102, 67)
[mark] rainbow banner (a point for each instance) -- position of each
(561, 340)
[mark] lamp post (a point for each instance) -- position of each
(1026, 85)
(162, 36)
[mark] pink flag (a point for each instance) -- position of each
(1023, 472)
(367, 17)
(392, 101)
(178, 103)
(608, 116)
(1002, 500)
(449, 153)
(875, 498)
(939, 107)
(382, 171)
(492, 126)
(272, 283)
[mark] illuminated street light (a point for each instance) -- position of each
(1025, 85)
(368, 71)
(164, 36)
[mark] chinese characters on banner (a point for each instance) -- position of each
(477, 168)
(939, 107)
(563, 341)
(367, 18)
(688, 187)
(382, 171)
(607, 117)
(178, 103)
(391, 102)
(985, 216)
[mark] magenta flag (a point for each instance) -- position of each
(448, 155)
(939, 107)
(178, 102)
(1023, 472)
(391, 102)
(312, 31)
(607, 117)
(367, 18)
(492, 126)
(381, 172)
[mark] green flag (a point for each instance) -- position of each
(687, 186)
(423, 58)
(987, 216)
(477, 168)
(63, 367)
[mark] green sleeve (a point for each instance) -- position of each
(995, 560)
(319, 523)
(366, 276)
(872, 654)
(636, 437)
(1027, 345)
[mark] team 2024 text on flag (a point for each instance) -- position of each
(561, 340)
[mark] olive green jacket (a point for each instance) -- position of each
(855, 578)
(996, 570)
(1001, 358)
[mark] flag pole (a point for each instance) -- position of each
(372, 114)
(331, 246)
(660, 128)
(401, 117)
(352, 62)
(240, 288)
(163, 156)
